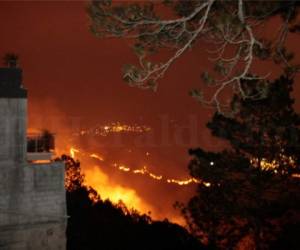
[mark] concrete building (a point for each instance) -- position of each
(32, 193)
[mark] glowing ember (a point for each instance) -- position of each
(183, 182)
(73, 151)
(123, 168)
(156, 177)
(274, 165)
(41, 161)
(296, 175)
(97, 157)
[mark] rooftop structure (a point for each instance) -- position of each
(32, 193)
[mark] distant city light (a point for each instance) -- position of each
(115, 127)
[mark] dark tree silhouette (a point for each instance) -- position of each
(253, 201)
(233, 32)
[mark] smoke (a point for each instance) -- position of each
(47, 115)
(147, 195)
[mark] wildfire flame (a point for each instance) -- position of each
(73, 151)
(274, 165)
(107, 189)
(264, 164)
(97, 157)
(114, 192)
(143, 171)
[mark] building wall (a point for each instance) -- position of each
(13, 117)
(32, 196)
(33, 207)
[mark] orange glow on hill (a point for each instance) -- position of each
(105, 186)
(95, 178)
(108, 188)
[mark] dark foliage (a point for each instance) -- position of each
(235, 27)
(264, 128)
(253, 201)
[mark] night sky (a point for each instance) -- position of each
(60, 56)
(70, 73)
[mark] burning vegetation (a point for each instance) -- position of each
(96, 223)
(142, 171)
(115, 192)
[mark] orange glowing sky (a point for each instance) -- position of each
(60, 56)
(81, 76)
(63, 62)
(74, 76)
